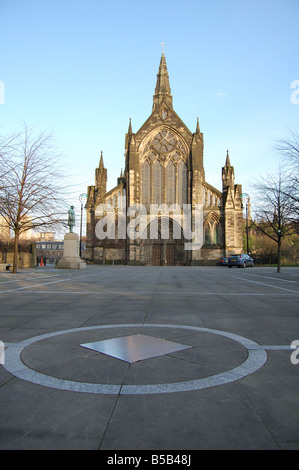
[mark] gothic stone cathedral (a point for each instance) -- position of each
(163, 169)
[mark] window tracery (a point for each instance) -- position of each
(170, 183)
(163, 161)
(157, 183)
(182, 183)
(146, 184)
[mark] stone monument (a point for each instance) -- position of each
(71, 259)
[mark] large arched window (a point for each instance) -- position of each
(212, 232)
(164, 169)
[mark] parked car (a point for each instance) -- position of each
(223, 262)
(242, 261)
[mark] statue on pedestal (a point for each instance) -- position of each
(71, 258)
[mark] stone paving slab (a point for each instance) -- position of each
(234, 388)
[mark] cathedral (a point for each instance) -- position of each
(163, 212)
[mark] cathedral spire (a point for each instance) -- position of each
(162, 90)
(227, 162)
(101, 165)
(101, 176)
(130, 127)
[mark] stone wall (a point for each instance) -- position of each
(26, 254)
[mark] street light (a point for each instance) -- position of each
(245, 195)
(82, 198)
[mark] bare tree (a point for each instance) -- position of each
(274, 214)
(288, 152)
(31, 184)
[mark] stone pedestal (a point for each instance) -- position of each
(71, 259)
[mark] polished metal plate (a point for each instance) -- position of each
(135, 347)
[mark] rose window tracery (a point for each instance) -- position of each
(164, 141)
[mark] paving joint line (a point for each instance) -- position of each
(264, 284)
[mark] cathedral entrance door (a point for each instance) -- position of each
(170, 254)
(156, 255)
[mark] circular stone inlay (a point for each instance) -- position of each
(257, 357)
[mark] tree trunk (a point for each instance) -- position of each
(16, 254)
(278, 254)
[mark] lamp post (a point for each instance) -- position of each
(82, 198)
(246, 196)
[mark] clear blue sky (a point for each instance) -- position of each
(83, 68)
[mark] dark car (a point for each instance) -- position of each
(242, 261)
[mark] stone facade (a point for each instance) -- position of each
(162, 191)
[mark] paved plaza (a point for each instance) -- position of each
(149, 358)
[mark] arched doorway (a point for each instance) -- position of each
(164, 245)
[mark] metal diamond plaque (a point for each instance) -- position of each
(135, 347)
